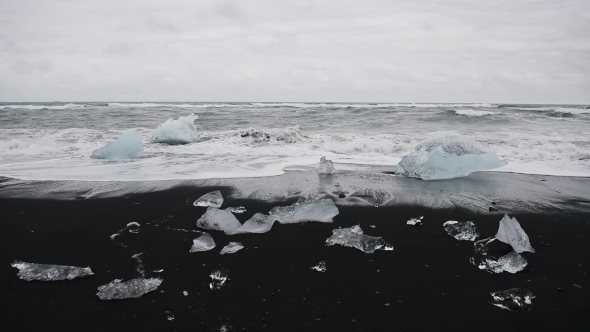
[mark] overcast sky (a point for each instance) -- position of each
(296, 50)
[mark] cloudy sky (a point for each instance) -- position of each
(519, 51)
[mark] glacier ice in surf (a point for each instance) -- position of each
(512, 262)
(515, 298)
(461, 230)
(127, 146)
(212, 199)
(47, 272)
(355, 238)
(511, 233)
(447, 156)
(231, 248)
(203, 243)
(259, 223)
(218, 279)
(322, 210)
(134, 288)
(326, 166)
(176, 131)
(219, 220)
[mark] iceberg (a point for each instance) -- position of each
(212, 199)
(511, 233)
(321, 267)
(232, 248)
(512, 262)
(355, 238)
(515, 298)
(415, 221)
(127, 146)
(322, 210)
(326, 166)
(219, 220)
(176, 132)
(203, 243)
(259, 223)
(46, 272)
(461, 230)
(447, 156)
(218, 279)
(134, 288)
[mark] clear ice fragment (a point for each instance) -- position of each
(212, 199)
(515, 298)
(322, 210)
(259, 223)
(326, 166)
(203, 243)
(355, 238)
(415, 221)
(46, 272)
(511, 233)
(238, 209)
(218, 279)
(219, 220)
(461, 230)
(176, 131)
(127, 146)
(231, 248)
(321, 267)
(134, 288)
(512, 262)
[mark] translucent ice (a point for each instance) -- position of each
(45, 272)
(321, 267)
(326, 166)
(212, 199)
(259, 223)
(511, 233)
(447, 156)
(219, 220)
(415, 221)
(203, 243)
(231, 248)
(174, 132)
(461, 230)
(218, 279)
(512, 262)
(134, 288)
(515, 298)
(127, 146)
(238, 209)
(322, 210)
(355, 238)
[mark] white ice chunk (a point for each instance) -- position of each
(415, 221)
(134, 288)
(185, 293)
(238, 209)
(515, 298)
(461, 230)
(321, 267)
(355, 238)
(259, 223)
(203, 243)
(175, 132)
(322, 210)
(218, 279)
(447, 156)
(212, 199)
(46, 272)
(511, 233)
(127, 146)
(231, 248)
(326, 166)
(219, 220)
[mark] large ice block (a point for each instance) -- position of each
(127, 146)
(461, 230)
(134, 288)
(355, 238)
(176, 131)
(203, 243)
(515, 298)
(231, 248)
(322, 210)
(326, 166)
(259, 223)
(511, 233)
(47, 272)
(219, 220)
(212, 199)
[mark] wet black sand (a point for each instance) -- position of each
(426, 281)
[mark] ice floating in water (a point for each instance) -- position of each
(218, 279)
(219, 220)
(321, 267)
(515, 298)
(355, 238)
(322, 210)
(237, 210)
(511, 233)
(259, 223)
(127, 146)
(326, 166)
(46, 272)
(447, 156)
(174, 132)
(203, 243)
(461, 230)
(134, 288)
(415, 221)
(512, 262)
(212, 199)
(231, 248)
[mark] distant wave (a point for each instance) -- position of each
(473, 113)
(550, 109)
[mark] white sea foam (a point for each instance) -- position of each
(471, 112)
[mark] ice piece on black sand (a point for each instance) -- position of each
(212, 199)
(461, 230)
(238, 209)
(134, 288)
(47, 272)
(231, 248)
(415, 221)
(321, 267)
(218, 279)
(511, 233)
(127, 146)
(512, 262)
(259, 223)
(218, 220)
(326, 166)
(322, 210)
(355, 238)
(515, 298)
(203, 243)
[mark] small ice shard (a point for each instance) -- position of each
(355, 238)
(515, 298)
(134, 288)
(238, 209)
(259, 223)
(321, 267)
(219, 220)
(185, 293)
(461, 230)
(46, 272)
(176, 131)
(127, 146)
(326, 166)
(231, 248)
(170, 316)
(415, 221)
(322, 210)
(159, 271)
(212, 199)
(203, 243)
(511, 233)
(218, 279)
(139, 268)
